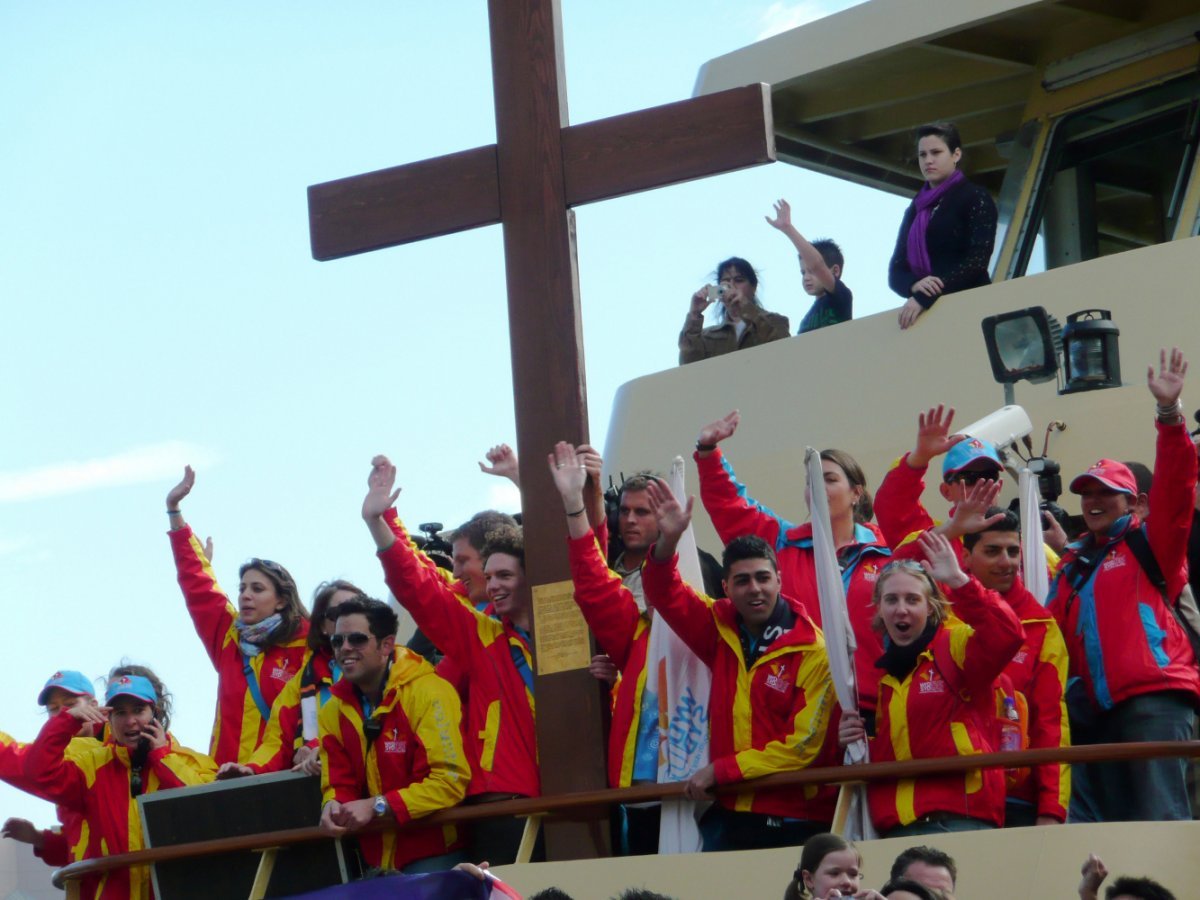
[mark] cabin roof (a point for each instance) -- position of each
(849, 90)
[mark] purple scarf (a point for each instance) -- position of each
(927, 198)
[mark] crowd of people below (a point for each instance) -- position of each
(944, 246)
(956, 656)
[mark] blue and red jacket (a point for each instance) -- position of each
(1121, 638)
(777, 715)
(734, 513)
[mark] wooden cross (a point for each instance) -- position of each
(528, 181)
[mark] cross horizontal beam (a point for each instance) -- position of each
(603, 159)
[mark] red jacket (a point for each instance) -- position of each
(1121, 638)
(417, 763)
(59, 846)
(284, 734)
(238, 725)
(951, 712)
(499, 731)
(775, 717)
(1038, 671)
(734, 514)
(898, 507)
(624, 634)
(96, 786)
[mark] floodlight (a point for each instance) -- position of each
(1023, 345)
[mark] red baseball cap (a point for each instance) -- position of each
(1113, 475)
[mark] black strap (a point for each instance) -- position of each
(1139, 545)
(1079, 571)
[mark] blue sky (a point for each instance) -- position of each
(162, 307)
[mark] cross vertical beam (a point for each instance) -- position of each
(548, 370)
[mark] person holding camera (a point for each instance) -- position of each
(741, 320)
(102, 785)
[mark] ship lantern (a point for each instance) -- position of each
(1023, 345)
(1091, 359)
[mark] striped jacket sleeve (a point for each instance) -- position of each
(435, 714)
(210, 609)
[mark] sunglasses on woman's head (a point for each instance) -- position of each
(353, 638)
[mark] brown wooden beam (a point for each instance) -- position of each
(402, 204)
(668, 144)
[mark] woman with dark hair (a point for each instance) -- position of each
(946, 236)
(291, 739)
(935, 693)
(830, 866)
(860, 549)
(256, 648)
(101, 784)
(741, 320)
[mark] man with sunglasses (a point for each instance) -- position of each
(898, 508)
(391, 744)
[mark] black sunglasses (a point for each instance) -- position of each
(970, 479)
(354, 639)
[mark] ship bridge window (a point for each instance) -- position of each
(1115, 177)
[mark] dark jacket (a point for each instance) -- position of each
(960, 237)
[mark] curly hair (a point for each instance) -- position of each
(164, 707)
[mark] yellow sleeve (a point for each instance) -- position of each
(434, 710)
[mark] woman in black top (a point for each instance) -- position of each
(945, 241)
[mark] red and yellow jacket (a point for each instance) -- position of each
(734, 513)
(1121, 638)
(96, 786)
(774, 717)
(238, 725)
(1038, 672)
(499, 727)
(417, 763)
(946, 707)
(284, 734)
(60, 846)
(624, 634)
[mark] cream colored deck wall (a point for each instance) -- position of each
(1016, 864)
(859, 386)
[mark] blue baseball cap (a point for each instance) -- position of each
(136, 686)
(964, 453)
(68, 680)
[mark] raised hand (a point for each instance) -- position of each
(208, 549)
(940, 561)
(970, 515)
(591, 460)
(568, 473)
(503, 461)
(673, 519)
(715, 432)
(380, 494)
(1168, 384)
(783, 215)
(933, 435)
(1092, 875)
(700, 302)
(87, 714)
(176, 494)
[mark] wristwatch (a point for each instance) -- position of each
(380, 806)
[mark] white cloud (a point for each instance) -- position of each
(780, 17)
(138, 465)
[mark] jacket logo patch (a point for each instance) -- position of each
(281, 673)
(777, 681)
(1021, 656)
(393, 743)
(870, 572)
(931, 683)
(1113, 562)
